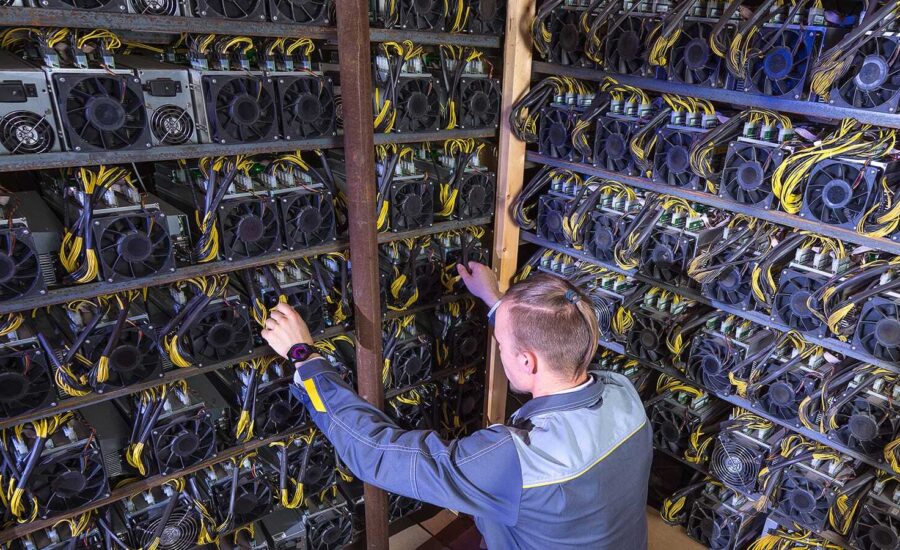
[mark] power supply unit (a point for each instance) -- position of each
(27, 121)
(283, 529)
(29, 246)
(100, 109)
(237, 106)
(168, 98)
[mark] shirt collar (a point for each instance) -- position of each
(578, 397)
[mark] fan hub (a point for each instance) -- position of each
(778, 63)
(837, 193)
(678, 159)
(467, 346)
(279, 412)
(487, 10)
(476, 195)
(27, 135)
(246, 502)
(105, 113)
(68, 484)
(221, 335)
(750, 175)
(557, 135)
(615, 147)
(670, 432)
(802, 500)
(873, 73)
(863, 427)
(568, 37)
(629, 46)
(125, 358)
(7, 268)
(781, 394)
(135, 247)
(307, 107)
(424, 6)
(887, 332)
(250, 228)
(171, 124)
(412, 366)
(734, 465)
(244, 109)
(603, 238)
(185, 444)
(309, 220)
(884, 538)
(480, 103)
(711, 365)
(411, 207)
(649, 339)
(313, 475)
(171, 536)
(13, 387)
(662, 256)
(696, 54)
(798, 303)
(730, 280)
(417, 105)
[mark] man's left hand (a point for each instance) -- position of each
(284, 328)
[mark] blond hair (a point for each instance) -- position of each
(552, 317)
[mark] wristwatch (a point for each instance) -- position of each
(300, 352)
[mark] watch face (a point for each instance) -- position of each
(299, 352)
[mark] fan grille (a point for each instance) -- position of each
(26, 133)
(171, 125)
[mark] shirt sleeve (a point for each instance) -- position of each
(478, 475)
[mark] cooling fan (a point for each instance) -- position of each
(710, 362)
(737, 462)
(466, 343)
(647, 339)
(171, 125)
(873, 80)
(476, 195)
(101, 111)
(134, 356)
(26, 383)
(308, 219)
(840, 193)
(713, 526)
(611, 139)
(26, 133)
(277, 410)
(253, 498)
(155, 7)
(671, 430)
(555, 131)
(791, 302)
(691, 60)
(878, 329)
(411, 204)
(69, 478)
(866, 424)
(627, 47)
(423, 15)
(418, 105)
(427, 276)
(804, 500)
(487, 16)
(220, 332)
(248, 228)
(412, 417)
(567, 38)
(411, 362)
(309, 301)
(134, 245)
(672, 158)
(307, 106)
(116, 6)
(479, 103)
(783, 69)
(240, 108)
(329, 530)
(21, 272)
(309, 12)
(551, 212)
(664, 256)
(181, 529)
(781, 397)
(183, 440)
(747, 175)
(320, 468)
(731, 286)
(877, 526)
(231, 9)
(400, 506)
(603, 233)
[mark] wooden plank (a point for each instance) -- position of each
(510, 176)
(359, 149)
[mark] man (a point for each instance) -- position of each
(570, 470)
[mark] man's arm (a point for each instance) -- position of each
(478, 474)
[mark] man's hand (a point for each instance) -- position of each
(481, 282)
(284, 328)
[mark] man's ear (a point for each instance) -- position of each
(528, 361)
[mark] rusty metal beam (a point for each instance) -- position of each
(359, 153)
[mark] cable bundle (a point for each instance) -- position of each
(250, 372)
(523, 118)
(522, 209)
(198, 293)
(454, 60)
(149, 405)
(666, 33)
(396, 55)
(462, 151)
(746, 240)
(595, 25)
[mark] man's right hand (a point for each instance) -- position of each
(481, 282)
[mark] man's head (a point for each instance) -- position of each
(547, 333)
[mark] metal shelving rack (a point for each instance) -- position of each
(353, 37)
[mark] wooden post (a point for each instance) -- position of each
(359, 152)
(510, 175)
